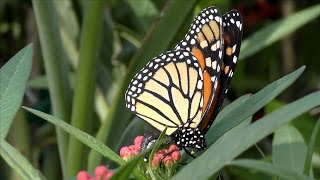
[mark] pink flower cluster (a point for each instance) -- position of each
(167, 156)
(128, 152)
(101, 173)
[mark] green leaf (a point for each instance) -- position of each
(269, 168)
(13, 78)
(80, 135)
(144, 10)
(237, 103)
(289, 149)
(232, 144)
(41, 82)
(18, 162)
(277, 31)
(311, 146)
(251, 105)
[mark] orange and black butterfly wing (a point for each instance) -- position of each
(232, 35)
(205, 41)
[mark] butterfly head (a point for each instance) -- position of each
(190, 137)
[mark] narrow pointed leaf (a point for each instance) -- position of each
(270, 169)
(18, 162)
(234, 143)
(13, 78)
(80, 135)
(251, 105)
(277, 31)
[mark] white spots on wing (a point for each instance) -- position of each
(193, 41)
(208, 62)
(220, 54)
(199, 85)
(235, 58)
(214, 65)
(232, 20)
(145, 70)
(216, 46)
(238, 24)
(217, 18)
(234, 48)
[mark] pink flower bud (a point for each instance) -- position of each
(83, 175)
(168, 161)
(138, 141)
(124, 151)
(108, 175)
(100, 171)
(157, 159)
(173, 148)
(176, 155)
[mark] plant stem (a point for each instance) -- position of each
(56, 68)
(84, 86)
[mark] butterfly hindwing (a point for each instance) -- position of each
(167, 92)
(232, 35)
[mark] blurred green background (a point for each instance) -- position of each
(132, 32)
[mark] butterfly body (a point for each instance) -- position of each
(182, 90)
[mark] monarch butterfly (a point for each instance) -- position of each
(183, 89)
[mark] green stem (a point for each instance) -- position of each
(312, 143)
(56, 68)
(84, 87)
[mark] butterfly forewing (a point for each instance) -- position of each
(232, 35)
(167, 92)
